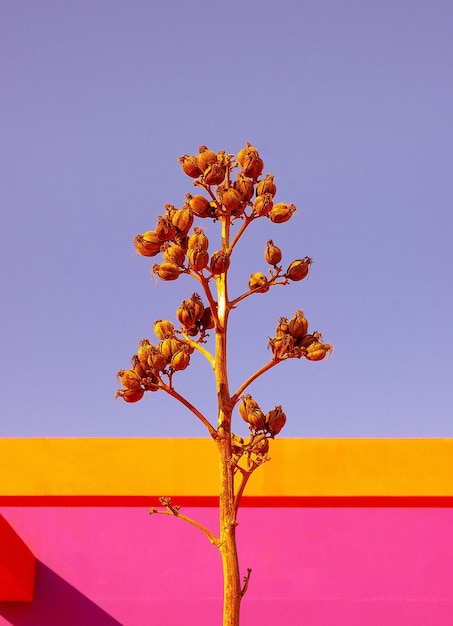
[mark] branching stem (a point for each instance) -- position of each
(174, 511)
(174, 394)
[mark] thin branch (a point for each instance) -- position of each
(174, 394)
(245, 475)
(246, 582)
(264, 289)
(248, 220)
(253, 377)
(174, 511)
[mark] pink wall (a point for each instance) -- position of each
(319, 567)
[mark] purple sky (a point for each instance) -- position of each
(351, 107)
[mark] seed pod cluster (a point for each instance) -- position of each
(151, 362)
(270, 423)
(292, 340)
(194, 317)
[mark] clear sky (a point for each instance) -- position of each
(351, 107)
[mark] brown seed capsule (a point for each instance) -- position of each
(256, 419)
(246, 405)
(163, 329)
(258, 282)
(173, 254)
(198, 258)
(207, 319)
(275, 420)
(266, 185)
(282, 328)
(261, 446)
(272, 254)
(229, 197)
(156, 360)
(205, 158)
(298, 325)
(197, 304)
(150, 382)
(166, 270)
(130, 395)
(181, 359)
(308, 339)
(200, 205)
(129, 379)
(245, 186)
(299, 268)
(144, 348)
(281, 212)
(169, 347)
(282, 346)
(198, 239)
(138, 367)
(263, 205)
(245, 153)
(182, 220)
(165, 229)
(189, 165)
(317, 351)
(253, 166)
(146, 248)
(220, 262)
(214, 174)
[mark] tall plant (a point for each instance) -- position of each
(233, 194)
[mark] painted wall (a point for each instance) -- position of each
(319, 566)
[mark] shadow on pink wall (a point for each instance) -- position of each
(56, 597)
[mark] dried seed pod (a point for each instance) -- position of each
(246, 405)
(165, 229)
(282, 346)
(205, 158)
(200, 205)
(173, 254)
(275, 420)
(156, 360)
(181, 359)
(166, 270)
(163, 329)
(298, 325)
(281, 212)
(189, 165)
(220, 262)
(245, 186)
(150, 382)
(272, 254)
(186, 314)
(256, 419)
(258, 282)
(207, 319)
(316, 351)
(266, 185)
(253, 166)
(245, 153)
(138, 367)
(214, 174)
(182, 241)
(130, 395)
(282, 328)
(263, 204)
(144, 348)
(198, 239)
(307, 340)
(182, 220)
(197, 304)
(145, 247)
(299, 268)
(169, 347)
(129, 379)
(198, 258)
(229, 197)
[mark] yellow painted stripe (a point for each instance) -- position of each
(298, 467)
